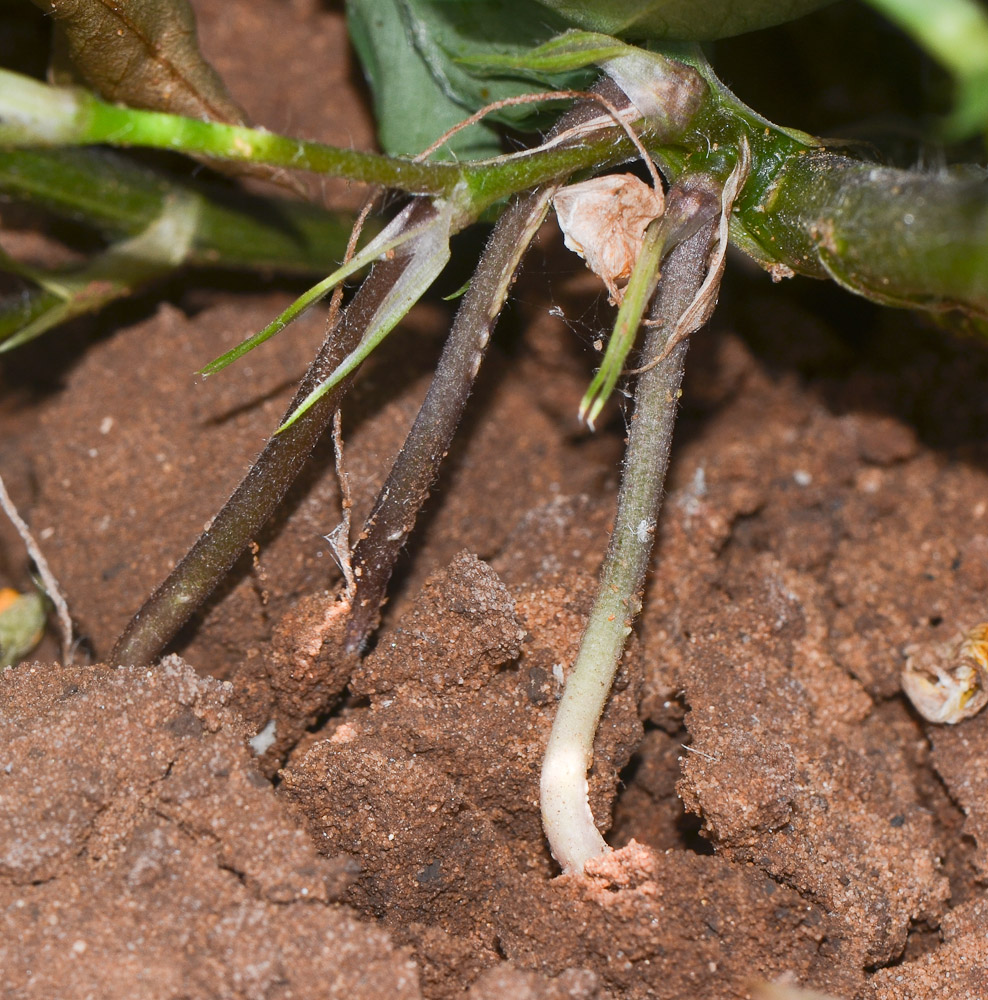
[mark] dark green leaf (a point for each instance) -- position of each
(429, 64)
(695, 20)
(411, 108)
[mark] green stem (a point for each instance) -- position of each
(34, 114)
(899, 237)
(119, 198)
(566, 816)
(896, 236)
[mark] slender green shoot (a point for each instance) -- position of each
(428, 253)
(393, 237)
(35, 114)
(637, 295)
(678, 223)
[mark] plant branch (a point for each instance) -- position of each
(411, 477)
(264, 486)
(35, 114)
(566, 816)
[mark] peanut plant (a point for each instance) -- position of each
(638, 88)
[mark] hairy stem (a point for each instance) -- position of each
(264, 486)
(415, 468)
(414, 471)
(566, 816)
(897, 236)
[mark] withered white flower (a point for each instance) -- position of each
(604, 219)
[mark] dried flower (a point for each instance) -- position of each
(604, 221)
(949, 682)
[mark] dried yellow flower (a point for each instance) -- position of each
(949, 682)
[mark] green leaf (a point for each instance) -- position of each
(569, 51)
(459, 293)
(395, 236)
(687, 20)
(451, 35)
(411, 108)
(641, 285)
(115, 273)
(429, 64)
(143, 53)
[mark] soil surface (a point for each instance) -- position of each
(779, 811)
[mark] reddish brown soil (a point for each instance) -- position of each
(781, 812)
